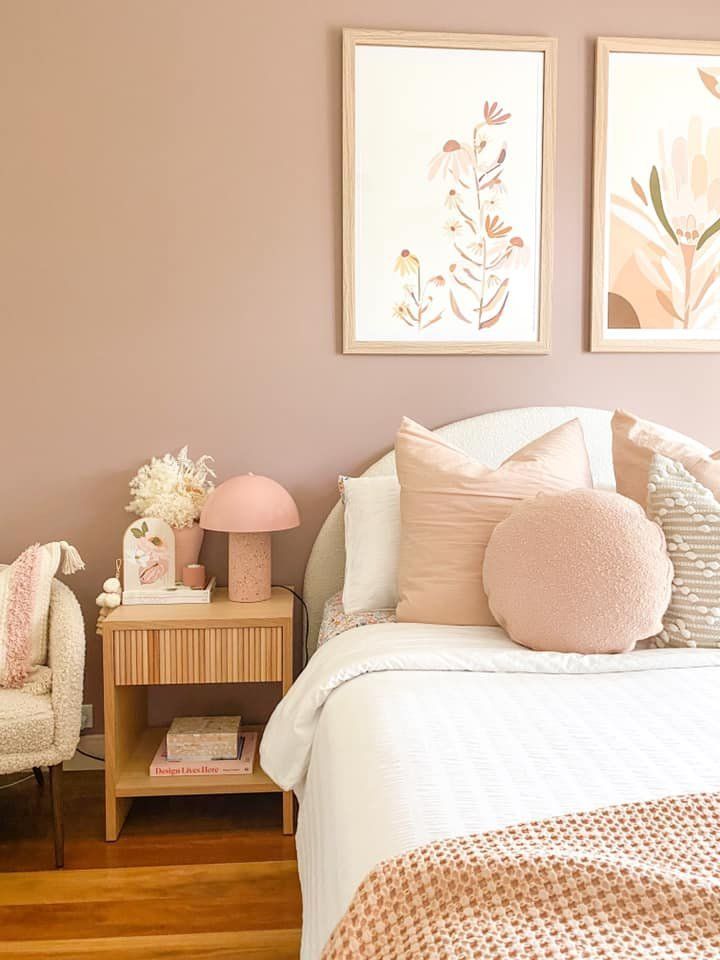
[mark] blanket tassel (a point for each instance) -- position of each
(72, 561)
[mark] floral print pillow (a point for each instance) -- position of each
(336, 621)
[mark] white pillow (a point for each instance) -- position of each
(372, 542)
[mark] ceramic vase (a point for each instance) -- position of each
(188, 541)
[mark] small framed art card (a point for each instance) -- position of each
(656, 217)
(148, 557)
(448, 147)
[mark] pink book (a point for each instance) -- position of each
(242, 764)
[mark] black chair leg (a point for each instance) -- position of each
(39, 776)
(58, 828)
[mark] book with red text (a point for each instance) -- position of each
(242, 764)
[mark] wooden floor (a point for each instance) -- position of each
(204, 877)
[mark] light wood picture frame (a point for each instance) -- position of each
(656, 196)
(448, 183)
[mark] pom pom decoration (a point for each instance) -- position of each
(110, 598)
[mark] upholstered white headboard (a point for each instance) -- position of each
(491, 438)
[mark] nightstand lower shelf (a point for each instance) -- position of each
(133, 779)
(153, 646)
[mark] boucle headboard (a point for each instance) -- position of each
(491, 438)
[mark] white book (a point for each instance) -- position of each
(177, 594)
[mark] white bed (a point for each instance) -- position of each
(398, 734)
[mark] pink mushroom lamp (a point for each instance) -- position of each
(248, 508)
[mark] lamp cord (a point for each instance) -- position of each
(306, 618)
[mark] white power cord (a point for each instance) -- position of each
(6, 786)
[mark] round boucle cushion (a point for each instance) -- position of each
(578, 572)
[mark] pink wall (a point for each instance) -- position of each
(170, 258)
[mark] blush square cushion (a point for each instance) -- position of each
(450, 504)
(635, 442)
(578, 572)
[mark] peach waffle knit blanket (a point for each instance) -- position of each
(620, 883)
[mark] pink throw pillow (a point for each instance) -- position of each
(635, 442)
(449, 506)
(578, 572)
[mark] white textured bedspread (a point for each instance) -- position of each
(399, 734)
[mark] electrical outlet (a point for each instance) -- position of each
(86, 717)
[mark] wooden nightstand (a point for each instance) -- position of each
(219, 642)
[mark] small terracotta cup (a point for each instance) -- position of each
(193, 576)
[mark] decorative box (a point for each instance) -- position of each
(203, 738)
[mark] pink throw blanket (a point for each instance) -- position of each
(622, 883)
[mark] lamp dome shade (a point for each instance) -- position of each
(249, 504)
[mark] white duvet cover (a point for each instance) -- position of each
(399, 734)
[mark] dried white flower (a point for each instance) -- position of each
(172, 488)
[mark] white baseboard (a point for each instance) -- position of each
(91, 743)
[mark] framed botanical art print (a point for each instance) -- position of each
(448, 147)
(656, 217)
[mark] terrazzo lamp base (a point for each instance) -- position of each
(249, 578)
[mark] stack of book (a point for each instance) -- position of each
(205, 746)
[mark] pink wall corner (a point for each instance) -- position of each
(171, 185)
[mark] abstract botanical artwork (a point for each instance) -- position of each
(656, 255)
(148, 556)
(447, 185)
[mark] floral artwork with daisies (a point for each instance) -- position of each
(483, 248)
(447, 206)
(662, 200)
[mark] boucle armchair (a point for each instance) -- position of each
(40, 723)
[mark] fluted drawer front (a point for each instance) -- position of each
(208, 655)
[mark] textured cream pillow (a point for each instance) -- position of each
(372, 542)
(578, 572)
(450, 503)
(636, 441)
(690, 517)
